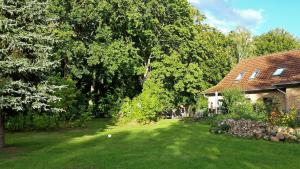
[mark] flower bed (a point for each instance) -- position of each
(258, 130)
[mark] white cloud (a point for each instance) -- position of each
(194, 1)
(222, 25)
(220, 14)
(250, 15)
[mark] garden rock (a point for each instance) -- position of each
(280, 136)
(275, 139)
(258, 130)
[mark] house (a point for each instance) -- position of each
(269, 77)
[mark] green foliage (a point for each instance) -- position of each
(276, 40)
(232, 99)
(113, 47)
(202, 103)
(33, 121)
(218, 128)
(211, 50)
(188, 70)
(23, 122)
(239, 107)
(73, 102)
(81, 120)
(236, 116)
(267, 107)
(18, 123)
(108, 45)
(43, 122)
(25, 50)
(146, 107)
(243, 108)
(242, 45)
(182, 79)
(289, 119)
(261, 107)
(143, 108)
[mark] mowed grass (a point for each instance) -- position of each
(166, 144)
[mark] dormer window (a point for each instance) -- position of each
(278, 72)
(240, 76)
(254, 75)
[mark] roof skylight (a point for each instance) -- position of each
(278, 72)
(254, 75)
(240, 76)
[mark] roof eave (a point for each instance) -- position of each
(274, 87)
(287, 84)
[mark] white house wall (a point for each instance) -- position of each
(214, 102)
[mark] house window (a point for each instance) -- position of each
(254, 75)
(278, 72)
(240, 76)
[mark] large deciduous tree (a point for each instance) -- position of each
(276, 40)
(242, 43)
(25, 48)
(112, 48)
(109, 46)
(201, 61)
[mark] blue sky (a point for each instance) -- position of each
(259, 16)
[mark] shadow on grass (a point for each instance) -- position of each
(18, 142)
(167, 144)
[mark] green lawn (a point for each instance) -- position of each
(166, 144)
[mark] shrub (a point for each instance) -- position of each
(109, 104)
(199, 110)
(242, 108)
(284, 119)
(22, 122)
(45, 122)
(143, 108)
(295, 123)
(261, 107)
(275, 118)
(146, 107)
(273, 106)
(201, 104)
(239, 107)
(219, 128)
(83, 118)
(72, 101)
(251, 116)
(18, 123)
(232, 98)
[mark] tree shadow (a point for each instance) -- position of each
(19, 142)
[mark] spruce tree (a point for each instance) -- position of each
(25, 49)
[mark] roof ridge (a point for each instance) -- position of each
(271, 55)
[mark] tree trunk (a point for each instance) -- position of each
(147, 69)
(2, 142)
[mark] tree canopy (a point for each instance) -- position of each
(276, 40)
(242, 43)
(112, 47)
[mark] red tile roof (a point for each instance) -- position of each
(266, 65)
